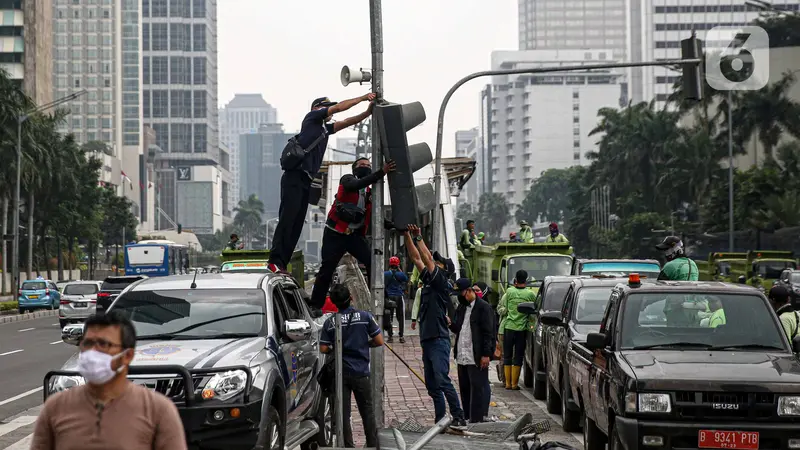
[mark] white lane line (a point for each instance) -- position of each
(19, 422)
(24, 444)
(26, 329)
(11, 352)
(54, 324)
(23, 395)
(56, 342)
(555, 417)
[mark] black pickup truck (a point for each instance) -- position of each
(687, 365)
(580, 313)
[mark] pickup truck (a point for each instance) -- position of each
(581, 312)
(657, 375)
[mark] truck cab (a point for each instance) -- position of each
(255, 261)
(764, 267)
(726, 266)
(656, 379)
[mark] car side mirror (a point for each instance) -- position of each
(527, 308)
(796, 344)
(72, 334)
(596, 341)
(552, 318)
(297, 330)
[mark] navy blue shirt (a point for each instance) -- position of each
(358, 327)
(313, 126)
(395, 282)
(435, 306)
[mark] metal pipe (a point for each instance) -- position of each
(337, 352)
(17, 193)
(377, 357)
(437, 219)
(432, 433)
(730, 172)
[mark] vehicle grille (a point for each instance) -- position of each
(170, 387)
(725, 405)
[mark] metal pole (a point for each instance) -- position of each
(376, 368)
(337, 349)
(432, 433)
(17, 193)
(730, 171)
(437, 219)
(123, 236)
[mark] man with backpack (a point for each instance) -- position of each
(301, 161)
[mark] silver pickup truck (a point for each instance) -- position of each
(247, 344)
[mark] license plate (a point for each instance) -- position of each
(33, 296)
(80, 304)
(741, 440)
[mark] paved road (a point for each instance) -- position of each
(28, 350)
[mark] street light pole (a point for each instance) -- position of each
(437, 218)
(730, 171)
(21, 118)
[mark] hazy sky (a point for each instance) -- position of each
(292, 52)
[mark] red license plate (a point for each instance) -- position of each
(741, 440)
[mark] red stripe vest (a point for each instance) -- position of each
(349, 197)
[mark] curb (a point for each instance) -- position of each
(34, 315)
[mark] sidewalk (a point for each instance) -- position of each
(405, 395)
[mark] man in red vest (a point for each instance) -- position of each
(347, 225)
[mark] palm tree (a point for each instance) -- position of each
(248, 216)
(495, 212)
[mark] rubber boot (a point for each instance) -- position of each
(515, 371)
(507, 373)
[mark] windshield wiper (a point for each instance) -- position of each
(672, 345)
(157, 337)
(746, 347)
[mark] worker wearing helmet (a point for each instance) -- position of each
(481, 237)
(678, 266)
(555, 235)
(525, 232)
(512, 237)
(395, 281)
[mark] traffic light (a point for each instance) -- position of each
(692, 48)
(408, 200)
(180, 228)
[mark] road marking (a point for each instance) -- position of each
(554, 417)
(23, 395)
(19, 422)
(11, 352)
(24, 444)
(26, 329)
(54, 324)
(56, 342)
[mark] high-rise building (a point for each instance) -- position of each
(467, 145)
(260, 163)
(179, 75)
(26, 37)
(244, 114)
(535, 122)
(463, 139)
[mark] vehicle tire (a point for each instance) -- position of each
(21, 310)
(62, 323)
(324, 419)
(54, 306)
(527, 376)
(553, 399)
(276, 432)
(570, 420)
(593, 438)
(539, 392)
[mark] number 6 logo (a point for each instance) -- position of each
(737, 58)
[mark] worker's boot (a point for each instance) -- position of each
(515, 371)
(507, 373)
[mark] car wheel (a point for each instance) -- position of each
(553, 401)
(593, 439)
(324, 419)
(570, 420)
(539, 392)
(21, 310)
(276, 433)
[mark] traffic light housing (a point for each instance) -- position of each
(408, 200)
(180, 228)
(692, 48)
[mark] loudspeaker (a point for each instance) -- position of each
(354, 76)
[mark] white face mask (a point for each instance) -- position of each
(95, 366)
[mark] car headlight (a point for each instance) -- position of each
(62, 383)
(789, 406)
(648, 403)
(225, 385)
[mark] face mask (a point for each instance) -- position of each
(479, 294)
(361, 172)
(554, 233)
(95, 366)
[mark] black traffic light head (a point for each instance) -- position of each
(692, 48)
(180, 228)
(408, 201)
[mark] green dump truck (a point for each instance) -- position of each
(725, 266)
(765, 266)
(256, 261)
(496, 265)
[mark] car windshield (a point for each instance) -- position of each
(554, 296)
(701, 321)
(81, 289)
(621, 269)
(34, 285)
(539, 267)
(795, 277)
(591, 304)
(771, 270)
(194, 313)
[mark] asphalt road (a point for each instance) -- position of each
(28, 350)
